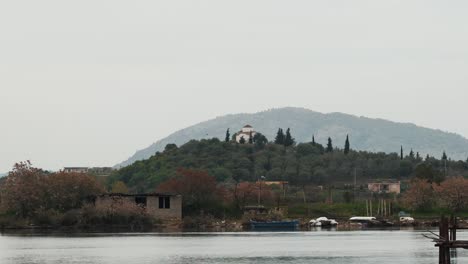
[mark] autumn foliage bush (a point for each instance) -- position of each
(199, 190)
(423, 195)
(120, 212)
(31, 193)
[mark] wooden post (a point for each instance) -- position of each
(444, 248)
(453, 229)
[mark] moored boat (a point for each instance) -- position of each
(323, 222)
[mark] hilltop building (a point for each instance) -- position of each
(246, 132)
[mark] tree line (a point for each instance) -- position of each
(283, 159)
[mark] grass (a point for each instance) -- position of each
(336, 210)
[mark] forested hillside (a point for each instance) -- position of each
(301, 164)
(368, 134)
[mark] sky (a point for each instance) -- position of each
(87, 83)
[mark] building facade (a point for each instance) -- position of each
(387, 186)
(76, 169)
(246, 132)
(158, 205)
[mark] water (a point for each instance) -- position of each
(296, 247)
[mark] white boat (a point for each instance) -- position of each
(322, 222)
(406, 220)
(362, 219)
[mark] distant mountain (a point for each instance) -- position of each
(3, 174)
(369, 134)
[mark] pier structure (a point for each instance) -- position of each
(447, 239)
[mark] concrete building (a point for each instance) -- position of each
(246, 132)
(76, 169)
(385, 186)
(96, 171)
(159, 205)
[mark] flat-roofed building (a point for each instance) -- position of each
(385, 186)
(162, 206)
(76, 169)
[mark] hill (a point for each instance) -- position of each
(302, 164)
(367, 134)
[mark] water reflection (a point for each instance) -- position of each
(325, 246)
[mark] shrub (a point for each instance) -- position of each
(120, 212)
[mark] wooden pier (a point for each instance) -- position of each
(447, 239)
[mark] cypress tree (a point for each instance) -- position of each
(313, 140)
(279, 139)
(346, 147)
(228, 136)
(444, 156)
(401, 153)
(330, 145)
(289, 140)
(250, 138)
(411, 154)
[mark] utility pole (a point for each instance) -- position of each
(259, 198)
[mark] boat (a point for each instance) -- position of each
(323, 222)
(370, 221)
(362, 219)
(274, 225)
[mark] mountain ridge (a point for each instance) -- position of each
(369, 134)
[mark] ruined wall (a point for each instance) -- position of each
(174, 212)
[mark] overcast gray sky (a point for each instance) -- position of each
(87, 83)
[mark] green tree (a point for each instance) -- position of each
(228, 136)
(411, 154)
(401, 153)
(242, 140)
(289, 140)
(260, 140)
(170, 147)
(251, 138)
(313, 140)
(444, 156)
(346, 148)
(425, 171)
(279, 139)
(330, 145)
(119, 187)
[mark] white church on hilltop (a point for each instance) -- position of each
(246, 132)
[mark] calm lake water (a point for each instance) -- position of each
(296, 247)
